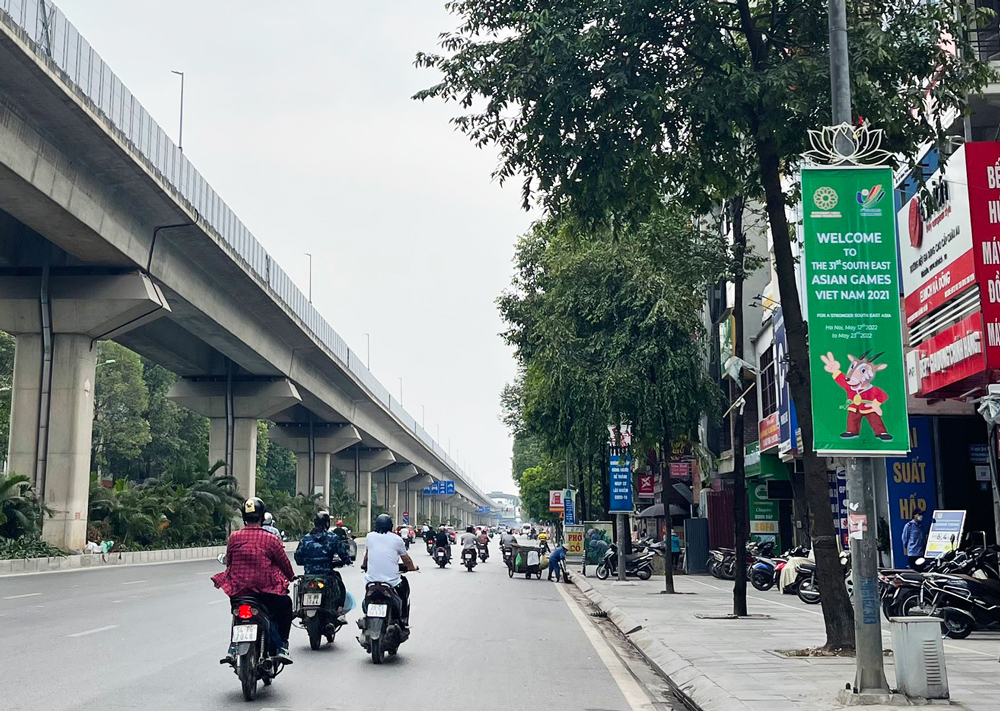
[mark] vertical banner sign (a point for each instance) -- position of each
(620, 471)
(852, 294)
(569, 507)
(788, 425)
(982, 161)
(911, 486)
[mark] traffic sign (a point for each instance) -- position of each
(406, 517)
(440, 488)
(483, 509)
(569, 507)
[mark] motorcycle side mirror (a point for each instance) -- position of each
(222, 558)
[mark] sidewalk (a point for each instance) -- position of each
(726, 665)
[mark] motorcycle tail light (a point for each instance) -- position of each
(245, 612)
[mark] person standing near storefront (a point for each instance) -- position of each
(914, 538)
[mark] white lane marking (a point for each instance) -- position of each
(885, 633)
(134, 582)
(18, 597)
(93, 631)
(216, 602)
(635, 697)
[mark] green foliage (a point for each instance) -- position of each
(21, 509)
(178, 438)
(529, 451)
(164, 513)
(602, 106)
(27, 548)
(275, 464)
(535, 485)
(121, 401)
(6, 380)
(343, 504)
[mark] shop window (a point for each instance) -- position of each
(768, 391)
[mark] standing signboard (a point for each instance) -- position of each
(852, 293)
(910, 485)
(945, 534)
(574, 540)
(620, 471)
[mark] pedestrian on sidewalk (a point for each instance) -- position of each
(555, 561)
(675, 547)
(914, 538)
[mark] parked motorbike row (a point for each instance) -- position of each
(639, 563)
(962, 588)
(764, 570)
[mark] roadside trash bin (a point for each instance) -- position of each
(918, 654)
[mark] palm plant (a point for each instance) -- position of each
(21, 509)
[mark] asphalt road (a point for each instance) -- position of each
(150, 637)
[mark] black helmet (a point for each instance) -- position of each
(322, 520)
(253, 510)
(383, 524)
(469, 529)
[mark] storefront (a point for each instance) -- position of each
(769, 497)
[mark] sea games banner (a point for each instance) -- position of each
(852, 292)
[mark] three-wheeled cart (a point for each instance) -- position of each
(526, 561)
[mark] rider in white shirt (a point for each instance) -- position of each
(383, 551)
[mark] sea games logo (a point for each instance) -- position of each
(825, 199)
(868, 199)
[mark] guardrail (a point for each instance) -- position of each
(53, 38)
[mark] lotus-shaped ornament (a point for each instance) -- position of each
(847, 144)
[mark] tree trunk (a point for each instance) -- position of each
(837, 613)
(736, 418)
(668, 559)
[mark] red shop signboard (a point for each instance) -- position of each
(983, 171)
(646, 486)
(947, 359)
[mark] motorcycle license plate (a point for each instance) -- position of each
(245, 633)
(378, 610)
(312, 599)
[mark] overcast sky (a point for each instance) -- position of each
(299, 115)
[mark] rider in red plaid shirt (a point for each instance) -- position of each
(257, 565)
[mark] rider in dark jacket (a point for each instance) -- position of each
(318, 552)
(442, 540)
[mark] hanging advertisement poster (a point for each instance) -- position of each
(852, 293)
(555, 500)
(620, 472)
(911, 486)
(788, 424)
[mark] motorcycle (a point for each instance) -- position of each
(638, 564)
(469, 558)
(256, 642)
(765, 572)
(441, 556)
(314, 596)
(430, 546)
(484, 552)
(382, 630)
(963, 602)
(806, 586)
(508, 553)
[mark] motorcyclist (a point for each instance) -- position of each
(441, 540)
(319, 552)
(257, 566)
(340, 530)
(383, 551)
(483, 539)
(508, 539)
(268, 524)
(468, 542)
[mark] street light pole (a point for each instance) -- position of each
(310, 276)
(180, 131)
(368, 351)
(869, 676)
(400, 391)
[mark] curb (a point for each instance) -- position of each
(99, 561)
(694, 687)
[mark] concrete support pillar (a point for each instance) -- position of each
(381, 491)
(56, 321)
(248, 401)
(392, 498)
(365, 501)
(325, 440)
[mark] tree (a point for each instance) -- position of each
(275, 464)
(178, 438)
(121, 400)
(602, 106)
(21, 509)
(535, 485)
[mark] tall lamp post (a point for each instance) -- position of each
(180, 130)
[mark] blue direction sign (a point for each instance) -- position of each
(621, 483)
(483, 509)
(569, 507)
(440, 488)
